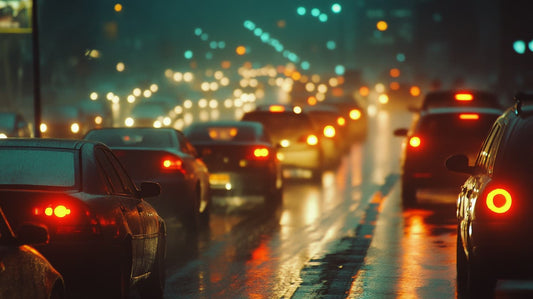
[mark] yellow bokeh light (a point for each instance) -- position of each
(382, 25)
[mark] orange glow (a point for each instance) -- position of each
(382, 25)
(118, 7)
(296, 76)
(61, 211)
(341, 121)
(415, 141)
(394, 85)
(395, 73)
(337, 92)
(469, 116)
(312, 140)
(329, 131)
(499, 200)
(464, 97)
(276, 108)
(261, 152)
(311, 100)
(171, 164)
(226, 64)
(355, 114)
(415, 91)
(364, 91)
(240, 50)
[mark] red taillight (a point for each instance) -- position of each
(415, 141)
(499, 200)
(172, 164)
(464, 97)
(261, 153)
(55, 211)
(276, 108)
(65, 217)
(469, 116)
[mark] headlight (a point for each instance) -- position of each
(129, 122)
(43, 127)
(75, 128)
(98, 120)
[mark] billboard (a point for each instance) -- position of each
(15, 16)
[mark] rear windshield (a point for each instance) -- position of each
(37, 167)
(151, 138)
(220, 133)
(448, 99)
(459, 125)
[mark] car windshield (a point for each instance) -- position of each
(38, 167)
(221, 134)
(151, 138)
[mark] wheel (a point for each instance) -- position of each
(408, 195)
(461, 267)
(154, 285)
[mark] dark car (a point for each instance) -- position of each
(298, 139)
(25, 272)
(104, 237)
(458, 98)
(61, 121)
(166, 156)
(434, 135)
(13, 124)
(240, 157)
(494, 206)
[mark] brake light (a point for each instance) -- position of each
(355, 114)
(261, 153)
(172, 164)
(276, 108)
(464, 97)
(312, 140)
(469, 116)
(329, 131)
(59, 211)
(415, 141)
(499, 200)
(65, 217)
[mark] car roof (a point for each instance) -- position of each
(58, 143)
(446, 98)
(227, 123)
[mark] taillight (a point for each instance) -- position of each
(261, 153)
(172, 164)
(312, 140)
(464, 97)
(276, 108)
(415, 141)
(469, 116)
(355, 114)
(329, 131)
(499, 200)
(53, 211)
(65, 217)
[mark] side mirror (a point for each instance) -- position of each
(31, 234)
(459, 163)
(400, 132)
(149, 189)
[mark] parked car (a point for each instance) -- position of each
(298, 139)
(25, 272)
(104, 237)
(241, 158)
(494, 205)
(434, 135)
(166, 156)
(13, 124)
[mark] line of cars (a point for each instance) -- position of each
(487, 157)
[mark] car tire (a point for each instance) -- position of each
(191, 215)
(154, 286)
(408, 195)
(461, 268)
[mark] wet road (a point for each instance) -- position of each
(345, 238)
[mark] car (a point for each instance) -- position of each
(434, 135)
(26, 273)
(353, 112)
(332, 124)
(298, 139)
(166, 156)
(241, 158)
(458, 98)
(104, 235)
(61, 121)
(494, 205)
(13, 124)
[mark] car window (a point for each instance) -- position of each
(185, 145)
(38, 167)
(126, 182)
(106, 161)
(487, 154)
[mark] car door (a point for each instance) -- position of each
(128, 204)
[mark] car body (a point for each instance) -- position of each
(434, 135)
(13, 124)
(61, 121)
(26, 273)
(494, 206)
(458, 98)
(294, 132)
(240, 157)
(333, 125)
(166, 156)
(104, 236)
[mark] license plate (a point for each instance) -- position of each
(219, 179)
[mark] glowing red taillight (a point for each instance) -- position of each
(172, 164)
(261, 153)
(464, 97)
(499, 200)
(415, 141)
(59, 211)
(469, 116)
